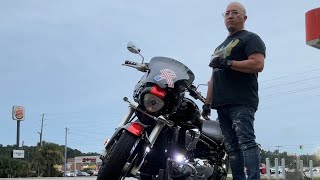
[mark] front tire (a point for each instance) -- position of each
(220, 172)
(111, 168)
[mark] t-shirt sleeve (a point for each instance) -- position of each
(255, 45)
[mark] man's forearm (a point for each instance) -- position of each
(209, 92)
(253, 64)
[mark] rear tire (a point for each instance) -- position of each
(111, 168)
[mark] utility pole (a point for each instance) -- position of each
(65, 152)
(278, 150)
(41, 129)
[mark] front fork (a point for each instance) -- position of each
(110, 141)
(151, 140)
(123, 125)
(154, 133)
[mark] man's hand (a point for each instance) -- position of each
(206, 111)
(219, 62)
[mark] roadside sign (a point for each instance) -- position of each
(18, 113)
(18, 154)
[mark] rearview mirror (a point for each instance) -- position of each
(133, 48)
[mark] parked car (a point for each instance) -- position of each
(263, 169)
(70, 174)
(316, 170)
(95, 173)
(273, 170)
(90, 172)
(80, 173)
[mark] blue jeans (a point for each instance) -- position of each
(236, 122)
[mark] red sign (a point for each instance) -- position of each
(18, 113)
(89, 160)
(313, 28)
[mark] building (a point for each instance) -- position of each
(83, 162)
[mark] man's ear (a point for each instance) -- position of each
(245, 18)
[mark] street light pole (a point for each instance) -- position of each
(65, 152)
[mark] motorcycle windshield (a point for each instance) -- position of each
(167, 72)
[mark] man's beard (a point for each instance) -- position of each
(231, 30)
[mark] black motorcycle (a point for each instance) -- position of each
(163, 135)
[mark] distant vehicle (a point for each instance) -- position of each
(81, 173)
(70, 174)
(316, 170)
(90, 172)
(95, 173)
(84, 174)
(273, 170)
(263, 169)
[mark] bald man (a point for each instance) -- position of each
(233, 91)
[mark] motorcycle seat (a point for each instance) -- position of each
(212, 130)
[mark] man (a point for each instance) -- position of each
(233, 91)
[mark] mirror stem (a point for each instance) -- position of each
(142, 58)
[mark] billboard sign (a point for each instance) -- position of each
(18, 113)
(18, 154)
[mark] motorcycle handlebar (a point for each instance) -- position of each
(143, 67)
(130, 62)
(196, 94)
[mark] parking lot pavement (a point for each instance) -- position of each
(61, 178)
(315, 174)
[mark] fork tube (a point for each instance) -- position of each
(127, 117)
(155, 133)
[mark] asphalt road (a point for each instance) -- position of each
(61, 178)
(94, 177)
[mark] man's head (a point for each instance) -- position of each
(235, 17)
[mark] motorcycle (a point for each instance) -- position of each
(163, 136)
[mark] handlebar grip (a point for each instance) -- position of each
(130, 62)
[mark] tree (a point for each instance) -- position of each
(48, 155)
(38, 161)
(13, 167)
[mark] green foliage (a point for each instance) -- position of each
(290, 161)
(38, 161)
(14, 167)
(47, 156)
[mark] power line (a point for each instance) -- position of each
(298, 100)
(286, 76)
(289, 83)
(84, 136)
(88, 132)
(77, 117)
(291, 92)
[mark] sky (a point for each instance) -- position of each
(63, 59)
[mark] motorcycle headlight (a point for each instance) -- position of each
(152, 103)
(180, 158)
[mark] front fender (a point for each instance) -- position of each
(135, 128)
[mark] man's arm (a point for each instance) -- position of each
(253, 64)
(209, 92)
(206, 108)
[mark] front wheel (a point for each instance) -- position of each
(113, 165)
(221, 172)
